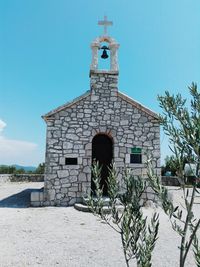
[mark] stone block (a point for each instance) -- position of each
(127, 159)
(51, 141)
(41, 196)
(93, 124)
(87, 116)
(74, 172)
(119, 164)
(73, 137)
(73, 189)
(156, 142)
(72, 194)
(59, 196)
(143, 119)
(150, 136)
(147, 143)
(94, 97)
(57, 183)
(109, 111)
(106, 117)
(88, 153)
(86, 133)
(65, 180)
(88, 146)
(80, 188)
(79, 130)
(87, 169)
(73, 179)
(78, 146)
(67, 185)
(138, 133)
(51, 194)
(35, 196)
(113, 85)
(67, 145)
(113, 98)
(102, 79)
(57, 134)
(36, 204)
(124, 122)
(82, 177)
(87, 110)
(72, 201)
(57, 187)
(85, 162)
(64, 190)
(63, 173)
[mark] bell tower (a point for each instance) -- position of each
(111, 45)
(104, 43)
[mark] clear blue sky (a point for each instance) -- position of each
(45, 57)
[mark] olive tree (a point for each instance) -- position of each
(181, 122)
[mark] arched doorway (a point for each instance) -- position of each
(102, 151)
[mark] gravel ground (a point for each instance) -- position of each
(53, 236)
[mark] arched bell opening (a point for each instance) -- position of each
(97, 51)
(102, 152)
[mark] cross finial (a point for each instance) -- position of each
(105, 23)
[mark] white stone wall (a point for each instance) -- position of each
(70, 133)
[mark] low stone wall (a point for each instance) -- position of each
(4, 178)
(21, 178)
(170, 181)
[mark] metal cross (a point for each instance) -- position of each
(105, 23)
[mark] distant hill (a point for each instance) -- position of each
(26, 168)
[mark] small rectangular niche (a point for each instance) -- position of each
(71, 161)
(136, 158)
(136, 155)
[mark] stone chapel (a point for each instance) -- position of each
(102, 124)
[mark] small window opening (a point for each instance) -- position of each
(136, 155)
(71, 161)
(136, 158)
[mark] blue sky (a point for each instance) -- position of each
(45, 58)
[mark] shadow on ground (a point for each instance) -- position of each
(19, 200)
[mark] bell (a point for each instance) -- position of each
(104, 54)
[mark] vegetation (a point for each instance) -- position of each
(171, 165)
(182, 125)
(40, 169)
(138, 235)
(4, 169)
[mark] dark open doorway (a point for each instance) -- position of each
(102, 151)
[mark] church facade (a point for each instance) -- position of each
(104, 125)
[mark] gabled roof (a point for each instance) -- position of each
(138, 105)
(86, 94)
(67, 105)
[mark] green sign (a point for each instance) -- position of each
(136, 150)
